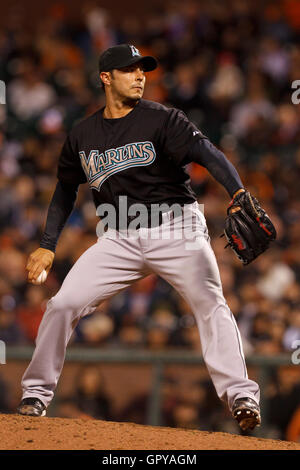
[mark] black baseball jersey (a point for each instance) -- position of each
(140, 155)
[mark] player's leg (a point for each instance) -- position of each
(103, 270)
(190, 267)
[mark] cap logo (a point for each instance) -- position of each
(134, 51)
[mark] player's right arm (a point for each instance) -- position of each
(60, 208)
(70, 175)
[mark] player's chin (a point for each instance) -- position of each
(136, 93)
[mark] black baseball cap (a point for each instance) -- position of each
(120, 56)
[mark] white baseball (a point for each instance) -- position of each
(41, 278)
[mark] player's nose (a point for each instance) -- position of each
(139, 73)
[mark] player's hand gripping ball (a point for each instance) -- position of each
(41, 278)
(248, 228)
(38, 265)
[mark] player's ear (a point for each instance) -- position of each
(105, 78)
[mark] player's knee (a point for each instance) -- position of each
(70, 305)
(208, 305)
(63, 305)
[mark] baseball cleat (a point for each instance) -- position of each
(247, 413)
(31, 407)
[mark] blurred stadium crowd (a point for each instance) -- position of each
(229, 66)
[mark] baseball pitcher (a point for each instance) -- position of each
(138, 150)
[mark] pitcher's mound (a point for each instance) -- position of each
(22, 432)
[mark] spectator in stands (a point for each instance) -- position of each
(30, 313)
(10, 331)
(284, 399)
(91, 397)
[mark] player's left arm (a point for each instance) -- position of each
(184, 143)
(206, 154)
(248, 228)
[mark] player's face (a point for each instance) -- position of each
(129, 82)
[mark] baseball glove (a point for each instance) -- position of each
(248, 229)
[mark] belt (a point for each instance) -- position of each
(143, 222)
(150, 221)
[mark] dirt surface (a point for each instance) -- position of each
(25, 433)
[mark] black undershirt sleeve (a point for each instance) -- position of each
(207, 155)
(60, 208)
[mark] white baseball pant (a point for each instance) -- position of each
(111, 265)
